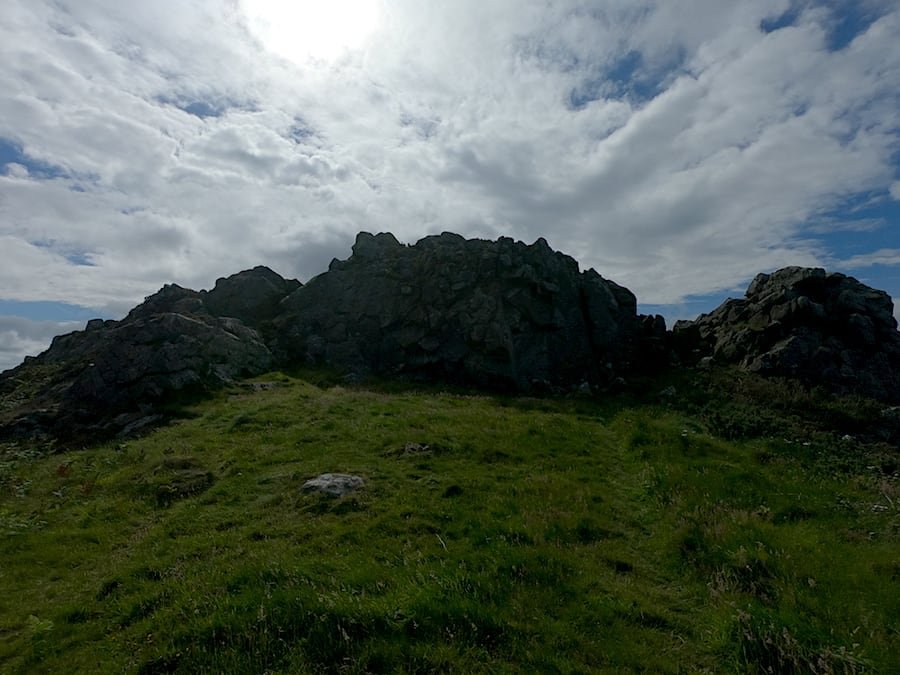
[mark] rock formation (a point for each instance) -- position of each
(112, 376)
(253, 296)
(494, 313)
(500, 314)
(826, 329)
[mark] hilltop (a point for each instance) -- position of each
(497, 315)
(535, 477)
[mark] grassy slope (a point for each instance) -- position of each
(553, 535)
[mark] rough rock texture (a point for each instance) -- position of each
(333, 484)
(826, 329)
(495, 313)
(111, 377)
(251, 296)
(487, 313)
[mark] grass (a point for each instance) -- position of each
(561, 535)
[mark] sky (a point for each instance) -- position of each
(679, 147)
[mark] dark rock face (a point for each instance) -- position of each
(104, 380)
(142, 360)
(500, 314)
(251, 296)
(488, 313)
(110, 377)
(826, 329)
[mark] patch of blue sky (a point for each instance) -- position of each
(621, 80)
(204, 108)
(690, 308)
(849, 19)
(13, 153)
(46, 310)
(629, 77)
(81, 259)
(878, 208)
(784, 20)
(74, 256)
(300, 131)
(860, 224)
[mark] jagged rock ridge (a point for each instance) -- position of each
(487, 313)
(495, 313)
(498, 314)
(826, 329)
(111, 376)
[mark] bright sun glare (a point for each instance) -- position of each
(300, 30)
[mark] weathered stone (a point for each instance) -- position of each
(108, 379)
(251, 296)
(826, 329)
(333, 484)
(499, 314)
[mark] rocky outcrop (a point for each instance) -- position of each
(113, 376)
(103, 380)
(253, 296)
(826, 329)
(499, 314)
(489, 313)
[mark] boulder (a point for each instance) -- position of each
(489, 313)
(333, 484)
(251, 296)
(824, 328)
(110, 378)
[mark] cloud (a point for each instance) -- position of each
(895, 190)
(679, 150)
(20, 336)
(883, 256)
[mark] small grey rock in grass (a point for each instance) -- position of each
(668, 393)
(334, 484)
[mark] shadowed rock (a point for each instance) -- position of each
(251, 296)
(111, 377)
(826, 329)
(494, 313)
(500, 314)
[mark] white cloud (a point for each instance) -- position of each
(883, 256)
(895, 190)
(19, 336)
(458, 117)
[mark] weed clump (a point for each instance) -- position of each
(768, 645)
(174, 479)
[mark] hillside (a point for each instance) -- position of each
(708, 521)
(497, 315)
